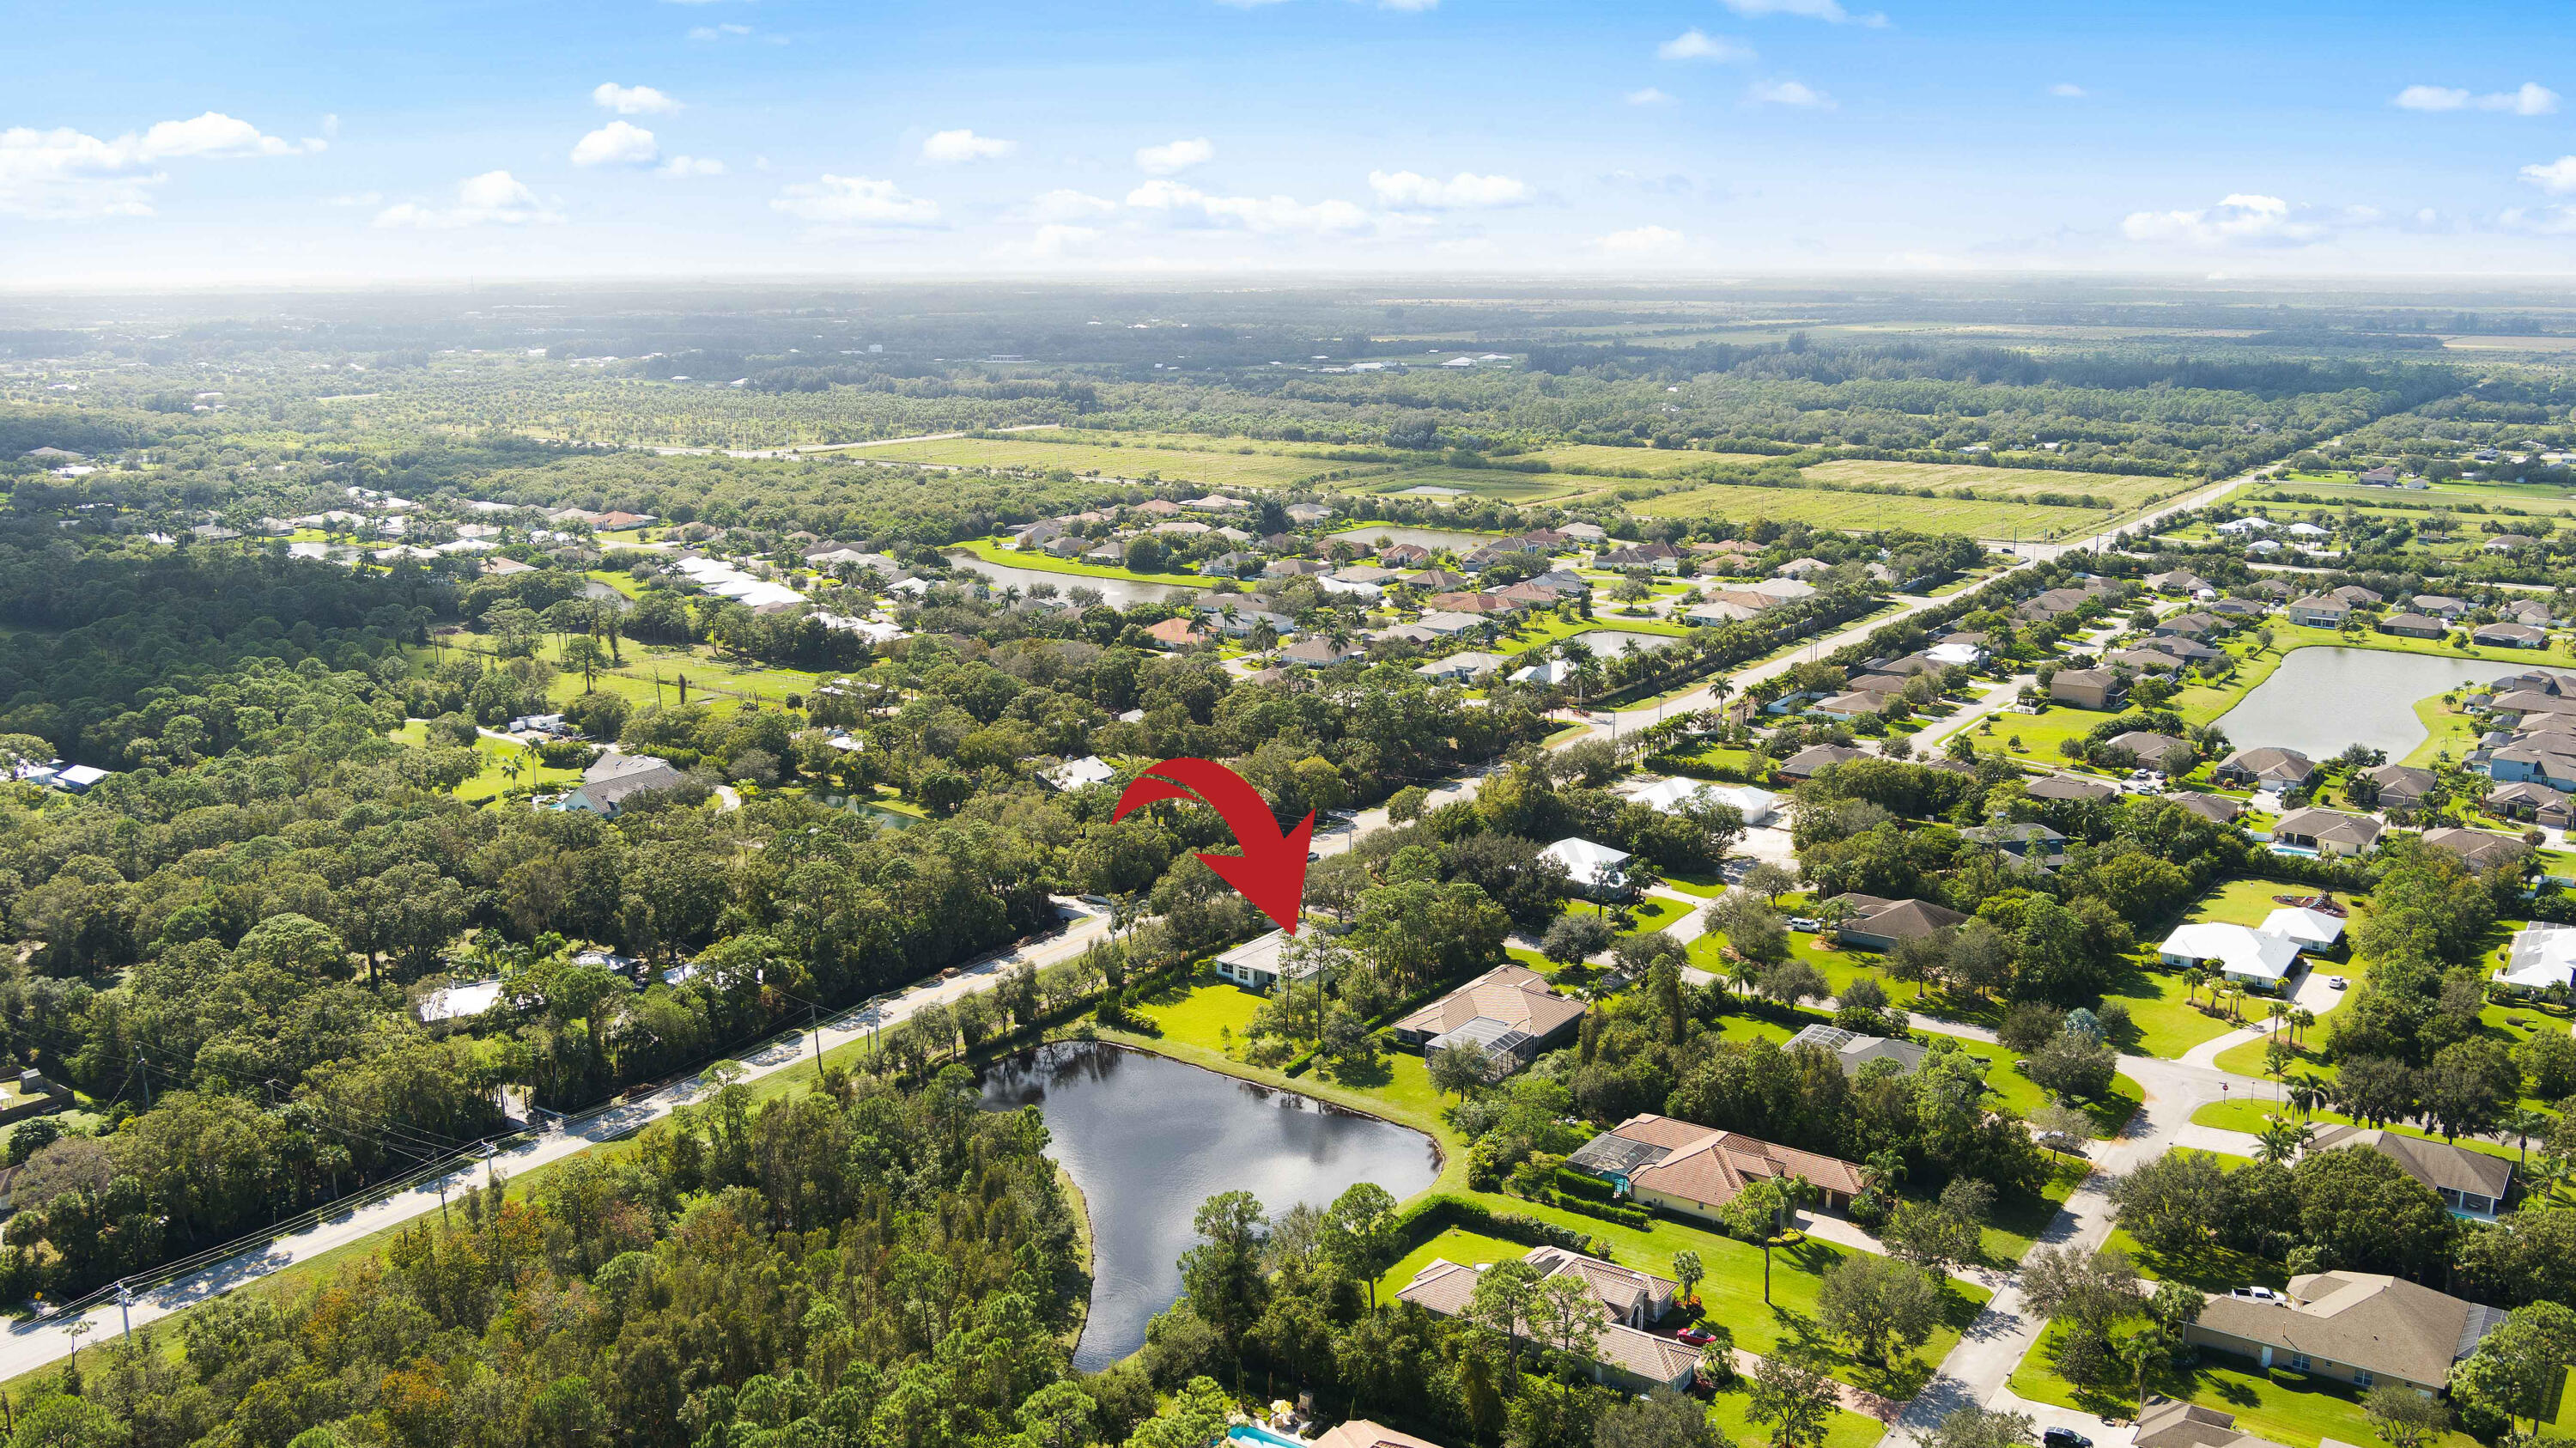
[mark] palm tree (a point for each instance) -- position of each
(2193, 977)
(2307, 1094)
(2301, 1019)
(2281, 1139)
(2524, 1123)
(2142, 1350)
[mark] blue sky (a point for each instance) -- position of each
(165, 143)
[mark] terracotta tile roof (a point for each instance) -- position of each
(1512, 994)
(1705, 1165)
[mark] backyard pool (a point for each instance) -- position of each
(1148, 1139)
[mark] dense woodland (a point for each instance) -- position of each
(227, 944)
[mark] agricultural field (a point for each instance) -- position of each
(2120, 490)
(1585, 457)
(2418, 503)
(1869, 512)
(1210, 469)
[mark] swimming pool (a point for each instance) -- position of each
(1255, 1436)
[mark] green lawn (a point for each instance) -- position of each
(2249, 1116)
(494, 779)
(2019, 1092)
(1192, 1015)
(1870, 512)
(2019, 1220)
(1036, 561)
(2287, 1407)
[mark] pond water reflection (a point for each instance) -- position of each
(2322, 699)
(1148, 1139)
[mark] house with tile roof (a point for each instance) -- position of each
(1624, 1356)
(1510, 1011)
(2331, 833)
(1694, 1171)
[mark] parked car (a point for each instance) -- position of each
(1805, 922)
(2064, 1438)
(2337, 982)
(1696, 1336)
(2256, 1294)
(2142, 774)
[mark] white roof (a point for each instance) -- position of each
(868, 628)
(1949, 654)
(456, 1002)
(1587, 864)
(1783, 588)
(2309, 530)
(1754, 804)
(2312, 929)
(1554, 671)
(2543, 956)
(1075, 773)
(2246, 525)
(2240, 950)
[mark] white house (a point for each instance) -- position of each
(1546, 675)
(1260, 963)
(1462, 667)
(2252, 958)
(2542, 956)
(1073, 774)
(1955, 656)
(1592, 869)
(2247, 525)
(1672, 795)
(2313, 930)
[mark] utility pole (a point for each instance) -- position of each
(125, 1309)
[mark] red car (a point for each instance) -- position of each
(1696, 1337)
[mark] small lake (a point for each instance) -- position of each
(1117, 592)
(1610, 643)
(1435, 539)
(2322, 699)
(1148, 1139)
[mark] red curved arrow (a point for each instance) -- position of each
(1271, 871)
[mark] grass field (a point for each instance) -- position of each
(1215, 469)
(1586, 457)
(1036, 561)
(1870, 512)
(2416, 504)
(1497, 484)
(2122, 491)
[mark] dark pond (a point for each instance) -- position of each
(1148, 1139)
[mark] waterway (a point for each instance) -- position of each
(2321, 700)
(1117, 592)
(1148, 1139)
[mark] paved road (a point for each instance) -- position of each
(27, 1347)
(31, 1346)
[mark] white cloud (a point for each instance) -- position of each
(683, 167)
(1649, 97)
(2067, 90)
(632, 100)
(1640, 241)
(2239, 220)
(1065, 204)
(962, 145)
(1829, 11)
(854, 201)
(1264, 214)
(331, 124)
(1789, 93)
(727, 31)
(1698, 44)
(2431, 98)
(65, 174)
(1430, 193)
(2557, 176)
(495, 198)
(357, 198)
(1416, 5)
(619, 143)
(2529, 99)
(1174, 156)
